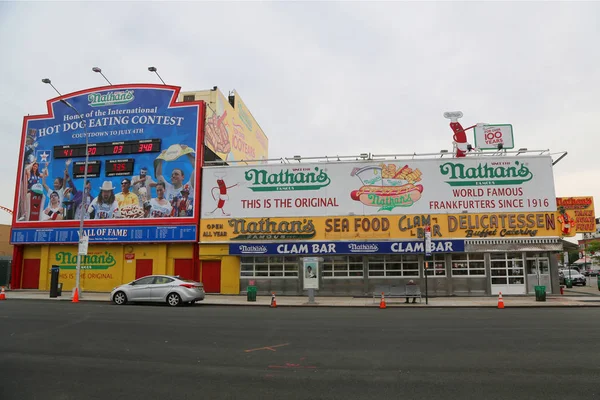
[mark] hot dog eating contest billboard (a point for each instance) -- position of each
(491, 196)
(142, 180)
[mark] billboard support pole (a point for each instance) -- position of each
(82, 243)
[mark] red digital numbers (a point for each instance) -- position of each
(89, 170)
(92, 151)
(118, 149)
(145, 147)
(68, 152)
(119, 167)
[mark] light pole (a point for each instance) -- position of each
(85, 172)
(99, 71)
(153, 69)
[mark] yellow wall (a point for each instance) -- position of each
(106, 265)
(230, 266)
(6, 248)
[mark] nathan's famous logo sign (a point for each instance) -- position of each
(99, 260)
(110, 98)
(267, 229)
(261, 180)
(577, 213)
(493, 173)
(387, 186)
(368, 228)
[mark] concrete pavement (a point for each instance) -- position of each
(576, 297)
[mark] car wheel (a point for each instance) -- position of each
(120, 298)
(173, 299)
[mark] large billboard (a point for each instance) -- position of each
(144, 150)
(382, 228)
(232, 133)
(579, 212)
(433, 186)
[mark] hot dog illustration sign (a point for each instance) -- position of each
(424, 186)
(386, 186)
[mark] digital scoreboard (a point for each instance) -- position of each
(108, 148)
(137, 132)
(119, 167)
(93, 169)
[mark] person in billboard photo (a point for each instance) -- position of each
(310, 273)
(184, 203)
(173, 189)
(126, 197)
(33, 194)
(160, 207)
(75, 198)
(141, 184)
(54, 211)
(105, 206)
(58, 185)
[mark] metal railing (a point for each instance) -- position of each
(370, 157)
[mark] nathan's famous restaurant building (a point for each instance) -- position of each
(181, 183)
(493, 223)
(140, 194)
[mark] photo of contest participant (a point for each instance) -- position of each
(174, 188)
(31, 176)
(58, 183)
(54, 211)
(105, 206)
(159, 206)
(32, 200)
(141, 184)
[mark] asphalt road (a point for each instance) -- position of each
(60, 350)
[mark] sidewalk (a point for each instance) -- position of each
(580, 299)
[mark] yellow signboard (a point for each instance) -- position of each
(232, 133)
(577, 213)
(495, 225)
(101, 269)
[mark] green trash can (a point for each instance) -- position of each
(251, 293)
(569, 283)
(598, 281)
(540, 293)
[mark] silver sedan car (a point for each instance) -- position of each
(159, 288)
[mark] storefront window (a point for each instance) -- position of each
(468, 264)
(436, 265)
(393, 266)
(343, 267)
(269, 267)
(507, 268)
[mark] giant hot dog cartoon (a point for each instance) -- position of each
(387, 186)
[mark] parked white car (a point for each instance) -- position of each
(159, 288)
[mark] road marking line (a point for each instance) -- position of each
(271, 348)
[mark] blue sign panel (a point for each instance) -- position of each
(301, 248)
(141, 167)
(106, 234)
(142, 157)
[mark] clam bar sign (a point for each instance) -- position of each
(395, 247)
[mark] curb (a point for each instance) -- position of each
(374, 306)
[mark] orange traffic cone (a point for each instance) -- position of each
(273, 301)
(500, 301)
(76, 296)
(2, 294)
(382, 302)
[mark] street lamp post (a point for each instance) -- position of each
(153, 69)
(83, 199)
(99, 71)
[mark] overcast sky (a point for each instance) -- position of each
(329, 78)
